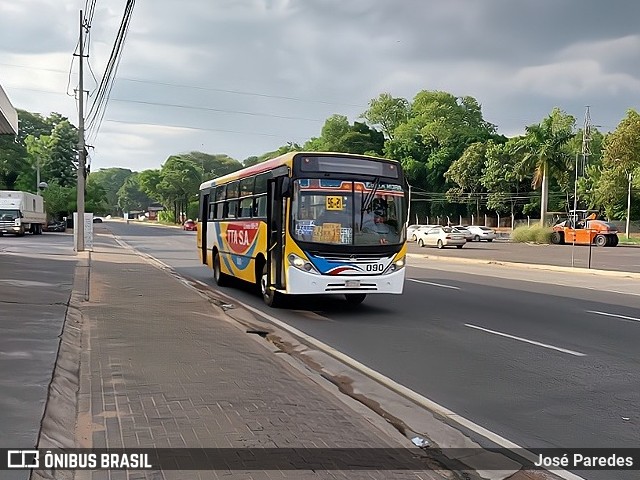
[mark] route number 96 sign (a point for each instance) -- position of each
(333, 203)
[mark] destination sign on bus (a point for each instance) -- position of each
(334, 203)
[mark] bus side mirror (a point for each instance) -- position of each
(285, 187)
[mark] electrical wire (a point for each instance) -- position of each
(99, 105)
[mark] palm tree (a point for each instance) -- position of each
(544, 152)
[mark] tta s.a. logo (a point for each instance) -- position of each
(23, 459)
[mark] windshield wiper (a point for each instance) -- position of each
(368, 200)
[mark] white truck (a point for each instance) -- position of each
(21, 212)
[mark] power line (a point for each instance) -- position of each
(211, 89)
(210, 109)
(98, 108)
(194, 128)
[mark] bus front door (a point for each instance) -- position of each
(276, 224)
(204, 217)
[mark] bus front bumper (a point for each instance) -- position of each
(304, 283)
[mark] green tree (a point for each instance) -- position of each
(501, 178)
(14, 158)
(95, 200)
(544, 152)
(58, 200)
(250, 161)
(132, 196)
(466, 172)
(62, 153)
(111, 180)
(149, 181)
(388, 113)
(621, 159)
(180, 182)
(338, 135)
(439, 129)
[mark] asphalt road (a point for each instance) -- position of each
(36, 277)
(540, 364)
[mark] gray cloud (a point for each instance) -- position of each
(227, 65)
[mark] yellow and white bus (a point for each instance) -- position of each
(308, 223)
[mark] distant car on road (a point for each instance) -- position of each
(468, 236)
(190, 225)
(412, 231)
(56, 226)
(97, 220)
(481, 233)
(440, 237)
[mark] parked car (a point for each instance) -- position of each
(190, 225)
(468, 236)
(440, 237)
(414, 232)
(410, 230)
(56, 226)
(482, 233)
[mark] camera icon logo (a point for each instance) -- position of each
(23, 459)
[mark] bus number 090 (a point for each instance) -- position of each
(375, 267)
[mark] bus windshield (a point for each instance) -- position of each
(348, 212)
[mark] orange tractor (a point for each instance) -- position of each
(585, 227)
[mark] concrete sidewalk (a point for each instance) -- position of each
(161, 366)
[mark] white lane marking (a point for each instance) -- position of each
(532, 342)
(407, 392)
(434, 284)
(624, 317)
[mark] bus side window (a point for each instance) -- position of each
(261, 184)
(212, 211)
(260, 206)
(246, 205)
(220, 193)
(220, 210)
(232, 211)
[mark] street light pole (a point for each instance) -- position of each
(628, 206)
(38, 176)
(79, 225)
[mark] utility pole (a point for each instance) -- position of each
(38, 175)
(79, 226)
(628, 207)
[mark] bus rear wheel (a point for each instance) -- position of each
(220, 278)
(269, 295)
(355, 298)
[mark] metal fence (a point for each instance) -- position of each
(507, 222)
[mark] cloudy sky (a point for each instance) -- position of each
(243, 77)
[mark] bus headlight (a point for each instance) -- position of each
(301, 264)
(395, 266)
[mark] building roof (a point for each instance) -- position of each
(8, 115)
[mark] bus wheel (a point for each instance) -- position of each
(270, 296)
(355, 298)
(220, 278)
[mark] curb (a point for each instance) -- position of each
(58, 422)
(530, 266)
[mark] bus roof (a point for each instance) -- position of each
(285, 159)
